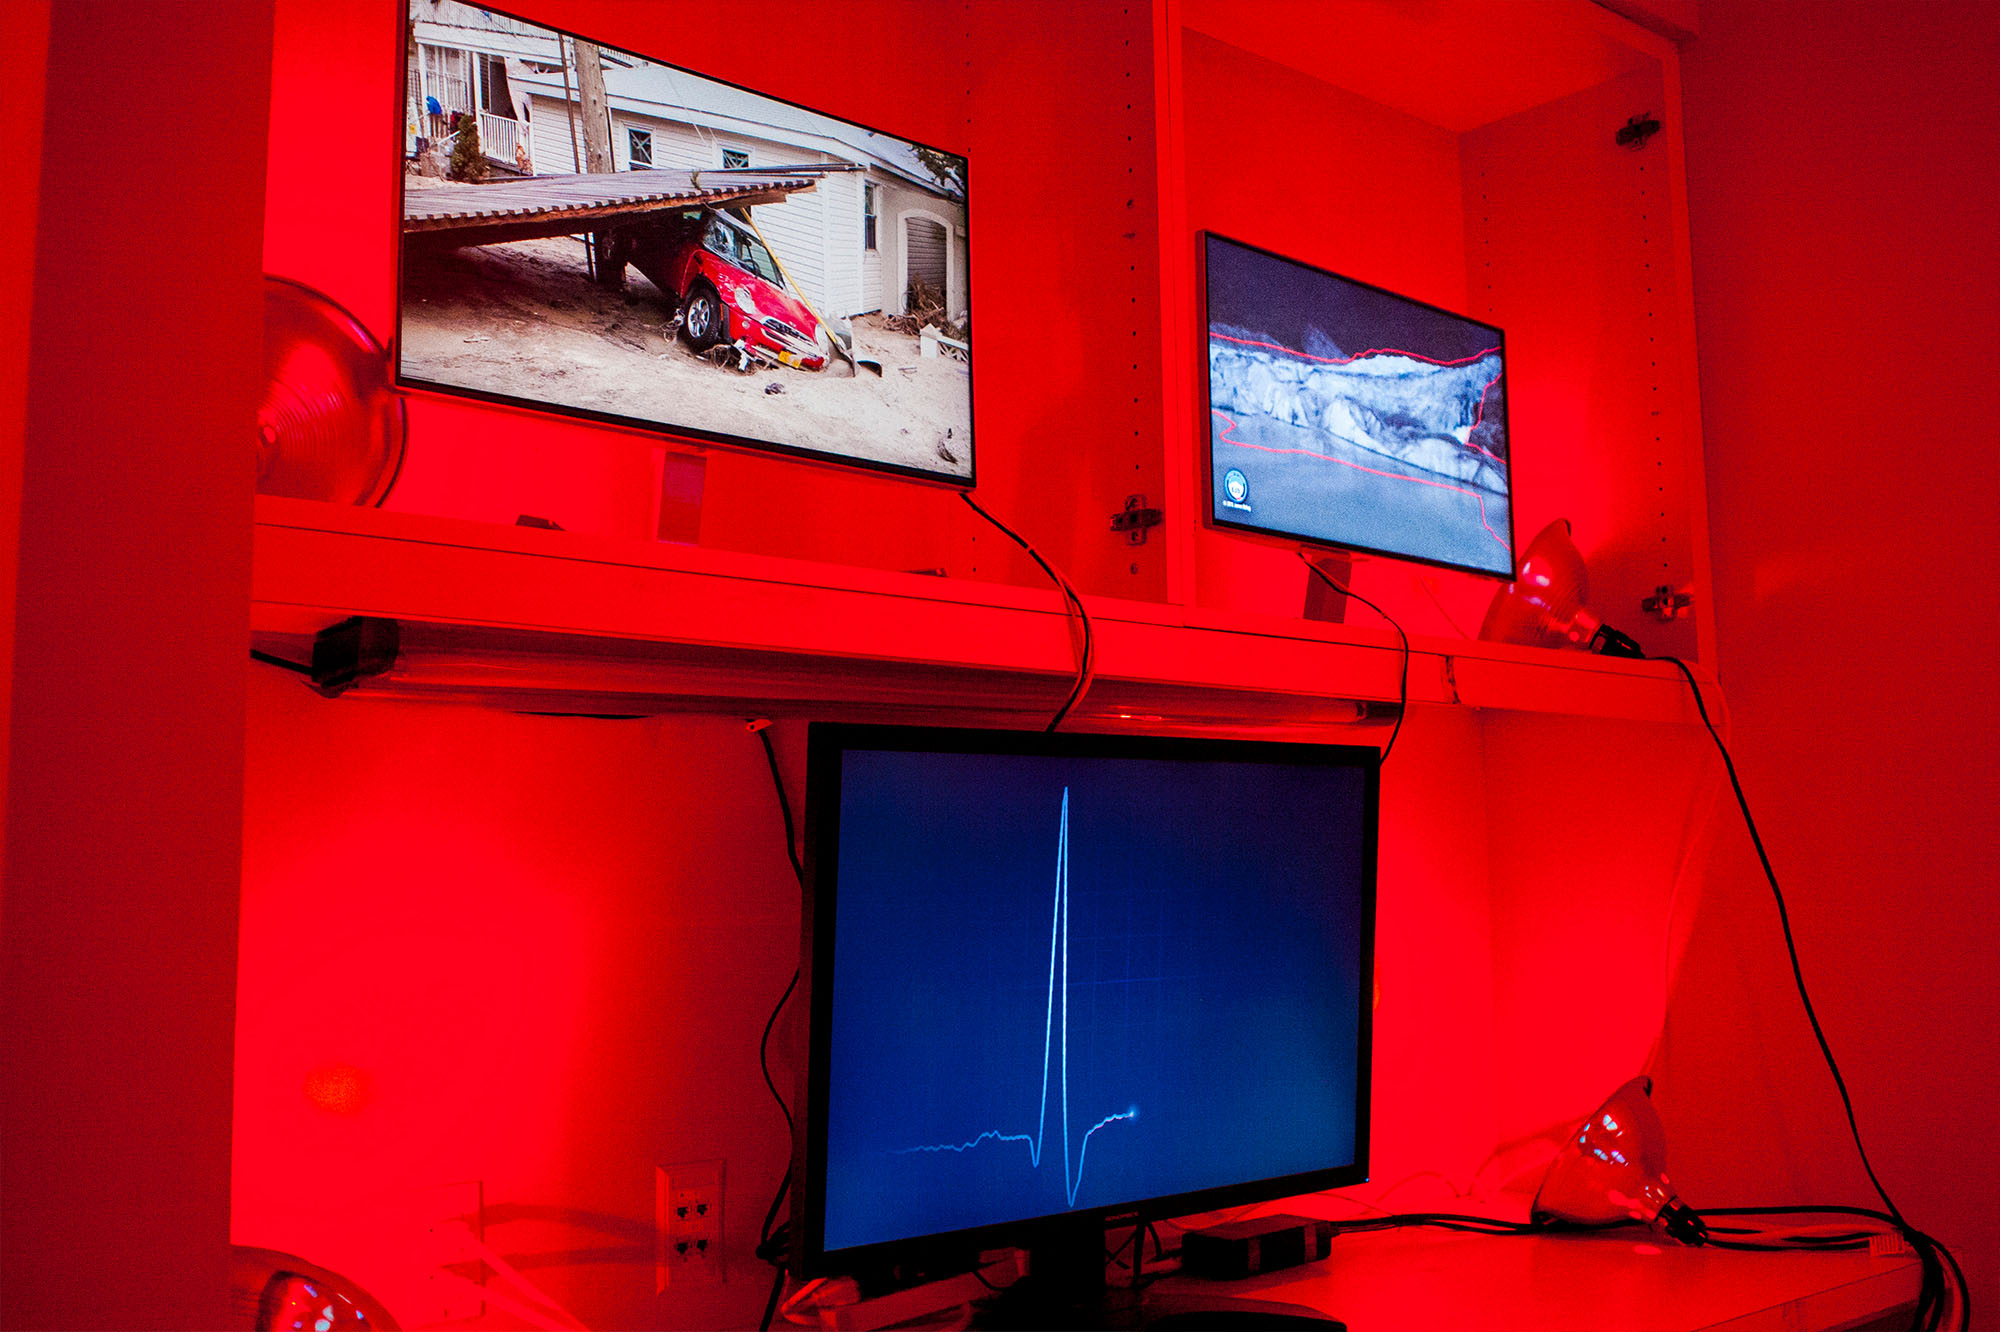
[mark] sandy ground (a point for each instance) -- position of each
(523, 320)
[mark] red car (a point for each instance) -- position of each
(729, 289)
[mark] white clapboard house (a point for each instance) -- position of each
(854, 244)
(466, 60)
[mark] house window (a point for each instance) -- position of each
(496, 98)
(732, 158)
(638, 148)
(867, 215)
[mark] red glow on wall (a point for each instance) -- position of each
(506, 965)
(447, 965)
(538, 952)
(413, 978)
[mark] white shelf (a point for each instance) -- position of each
(540, 620)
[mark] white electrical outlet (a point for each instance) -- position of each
(688, 1236)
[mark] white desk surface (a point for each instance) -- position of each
(1425, 1280)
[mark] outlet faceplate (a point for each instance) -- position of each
(687, 1214)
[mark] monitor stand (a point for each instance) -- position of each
(683, 477)
(1064, 1287)
(1323, 602)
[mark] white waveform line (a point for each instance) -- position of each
(1058, 932)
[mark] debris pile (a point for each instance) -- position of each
(924, 308)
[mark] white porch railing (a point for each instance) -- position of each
(501, 139)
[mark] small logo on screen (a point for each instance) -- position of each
(1235, 490)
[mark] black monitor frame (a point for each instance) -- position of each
(1048, 1237)
(1206, 434)
(664, 429)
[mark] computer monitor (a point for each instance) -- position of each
(1348, 416)
(591, 232)
(1057, 979)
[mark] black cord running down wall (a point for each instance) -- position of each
(765, 1249)
(1086, 652)
(1403, 683)
(1934, 1256)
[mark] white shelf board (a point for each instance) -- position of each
(530, 617)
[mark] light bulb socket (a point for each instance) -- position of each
(1683, 1223)
(1609, 642)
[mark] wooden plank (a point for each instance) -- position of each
(570, 198)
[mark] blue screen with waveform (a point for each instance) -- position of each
(1064, 983)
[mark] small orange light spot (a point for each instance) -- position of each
(339, 1089)
(1647, 1250)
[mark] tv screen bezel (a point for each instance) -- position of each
(1207, 460)
(826, 743)
(664, 433)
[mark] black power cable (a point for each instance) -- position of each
(1941, 1278)
(1933, 1255)
(269, 660)
(784, 804)
(1403, 685)
(771, 1304)
(1086, 652)
(765, 1248)
(1941, 1273)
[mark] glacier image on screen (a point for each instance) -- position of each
(1345, 414)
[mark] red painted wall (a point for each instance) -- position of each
(24, 41)
(534, 952)
(471, 941)
(1841, 162)
(521, 908)
(124, 769)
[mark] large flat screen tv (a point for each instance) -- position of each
(599, 234)
(1060, 978)
(1348, 416)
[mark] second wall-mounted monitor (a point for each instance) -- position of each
(595, 233)
(1348, 416)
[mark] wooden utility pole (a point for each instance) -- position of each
(569, 105)
(591, 148)
(596, 114)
